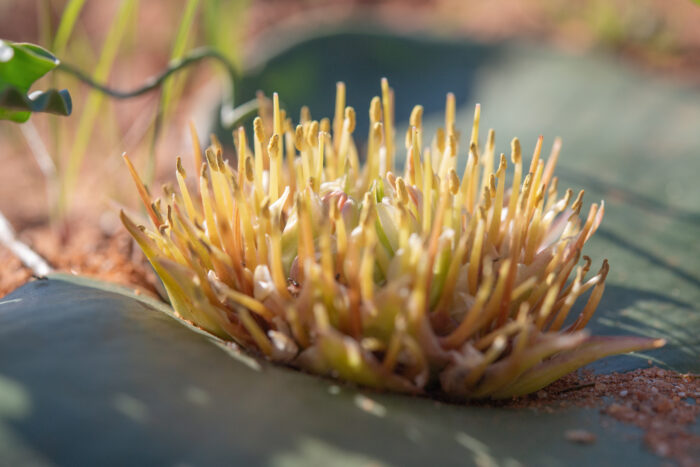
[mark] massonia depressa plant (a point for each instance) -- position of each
(414, 281)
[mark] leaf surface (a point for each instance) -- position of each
(20, 66)
(88, 368)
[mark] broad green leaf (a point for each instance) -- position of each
(21, 65)
(51, 101)
(90, 371)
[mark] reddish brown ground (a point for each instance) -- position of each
(664, 404)
(87, 250)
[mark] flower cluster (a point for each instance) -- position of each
(412, 280)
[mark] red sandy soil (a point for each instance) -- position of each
(664, 404)
(86, 250)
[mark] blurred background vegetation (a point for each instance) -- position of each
(62, 168)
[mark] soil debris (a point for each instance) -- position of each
(88, 250)
(580, 436)
(663, 403)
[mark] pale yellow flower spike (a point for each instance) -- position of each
(551, 162)
(474, 139)
(259, 134)
(414, 154)
(196, 148)
(181, 176)
(143, 192)
(405, 281)
(344, 145)
(450, 111)
(388, 126)
(273, 150)
(208, 206)
(427, 185)
(322, 142)
(241, 152)
(495, 228)
(373, 153)
(416, 121)
(516, 158)
(339, 116)
(488, 157)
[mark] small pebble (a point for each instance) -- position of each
(663, 406)
(370, 406)
(624, 392)
(662, 449)
(580, 436)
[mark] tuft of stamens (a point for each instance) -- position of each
(414, 281)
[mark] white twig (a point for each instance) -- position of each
(42, 157)
(41, 154)
(29, 257)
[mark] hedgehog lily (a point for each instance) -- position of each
(412, 280)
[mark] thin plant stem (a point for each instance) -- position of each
(44, 161)
(230, 116)
(154, 82)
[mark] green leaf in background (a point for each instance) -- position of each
(20, 66)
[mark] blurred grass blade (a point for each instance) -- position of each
(172, 88)
(64, 31)
(44, 14)
(224, 26)
(65, 28)
(95, 98)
